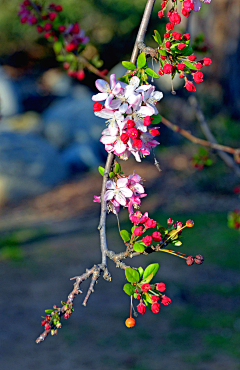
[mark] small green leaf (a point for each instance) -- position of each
(177, 243)
(133, 228)
(129, 65)
(57, 47)
(156, 119)
(173, 234)
(202, 151)
(70, 58)
(147, 279)
(208, 162)
(125, 235)
(61, 58)
(151, 269)
(162, 52)
(111, 175)
(117, 168)
(187, 51)
(139, 247)
(101, 170)
(141, 60)
(151, 73)
(147, 304)
(141, 271)
(49, 311)
(157, 37)
(190, 66)
(132, 275)
(129, 289)
(124, 79)
(147, 298)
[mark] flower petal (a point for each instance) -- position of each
(108, 195)
(113, 81)
(121, 199)
(122, 183)
(105, 113)
(100, 97)
(127, 192)
(119, 147)
(102, 86)
(110, 184)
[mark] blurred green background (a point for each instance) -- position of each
(49, 223)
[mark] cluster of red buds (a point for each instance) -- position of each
(175, 54)
(69, 41)
(156, 297)
(201, 159)
(52, 322)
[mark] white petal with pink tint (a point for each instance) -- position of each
(100, 97)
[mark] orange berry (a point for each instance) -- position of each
(130, 322)
(190, 223)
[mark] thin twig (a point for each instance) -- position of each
(208, 134)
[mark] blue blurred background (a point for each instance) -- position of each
(49, 152)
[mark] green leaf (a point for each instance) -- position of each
(162, 52)
(101, 170)
(202, 151)
(133, 228)
(70, 57)
(173, 234)
(147, 298)
(129, 65)
(190, 66)
(177, 243)
(156, 119)
(151, 73)
(141, 60)
(111, 175)
(208, 162)
(151, 269)
(125, 235)
(141, 271)
(61, 58)
(132, 275)
(49, 311)
(124, 79)
(139, 247)
(129, 289)
(187, 51)
(57, 47)
(147, 304)
(147, 279)
(157, 37)
(117, 168)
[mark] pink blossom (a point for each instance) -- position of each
(137, 217)
(118, 191)
(197, 4)
(107, 91)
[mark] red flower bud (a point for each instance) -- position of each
(161, 14)
(146, 287)
(198, 77)
(175, 17)
(169, 26)
(163, 57)
(124, 137)
(58, 8)
(147, 121)
(48, 27)
(181, 75)
(150, 224)
(168, 44)
(80, 75)
(154, 132)
(207, 61)
(61, 28)
(52, 16)
(156, 235)
(154, 298)
(186, 36)
(138, 231)
(185, 12)
(161, 287)
(177, 35)
(168, 68)
(181, 46)
(166, 35)
(47, 326)
(166, 300)
(192, 58)
(190, 260)
(141, 308)
(130, 123)
(137, 143)
(147, 240)
(97, 107)
(155, 307)
(189, 86)
(132, 133)
(181, 66)
(39, 29)
(198, 65)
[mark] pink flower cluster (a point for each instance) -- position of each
(155, 298)
(125, 191)
(128, 110)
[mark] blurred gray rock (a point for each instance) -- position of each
(71, 119)
(28, 166)
(9, 96)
